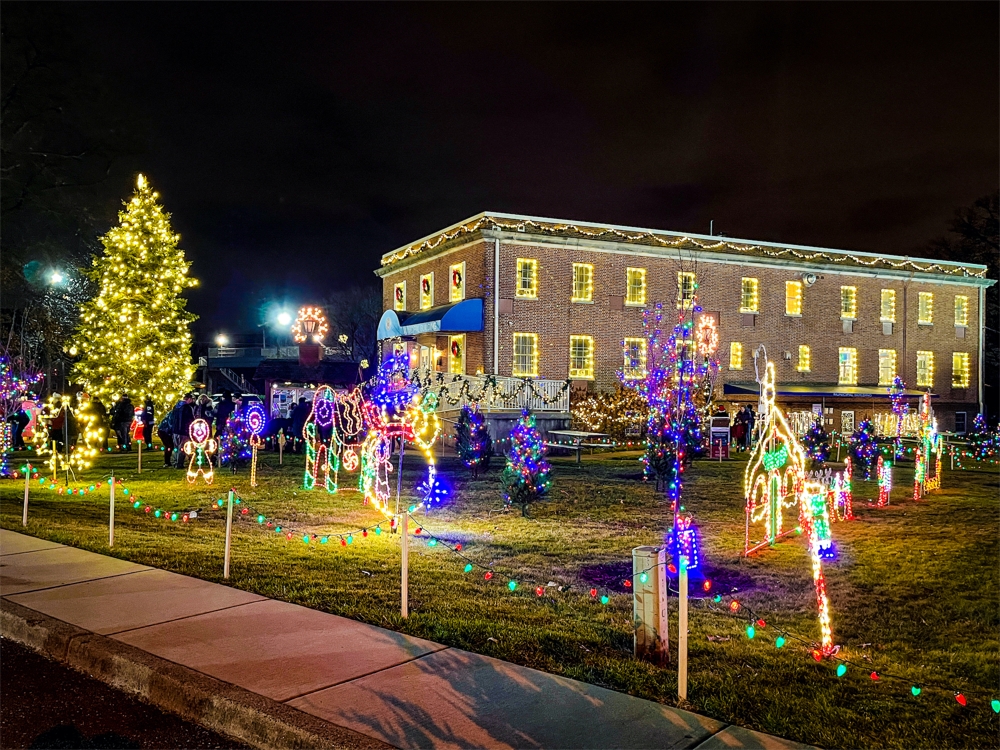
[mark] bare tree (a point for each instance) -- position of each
(354, 313)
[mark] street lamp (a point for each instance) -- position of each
(56, 277)
(221, 340)
(284, 318)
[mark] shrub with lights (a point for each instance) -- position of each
(982, 443)
(473, 442)
(864, 448)
(621, 413)
(134, 336)
(525, 478)
(816, 442)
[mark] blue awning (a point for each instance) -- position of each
(459, 317)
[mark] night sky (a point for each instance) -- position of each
(296, 143)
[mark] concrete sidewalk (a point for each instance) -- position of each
(279, 675)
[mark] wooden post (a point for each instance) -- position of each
(24, 513)
(229, 534)
(281, 447)
(952, 451)
(111, 510)
(682, 631)
(838, 449)
(140, 457)
(405, 564)
(651, 639)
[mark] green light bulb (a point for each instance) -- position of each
(605, 599)
(916, 691)
(841, 670)
(468, 568)
(512, 585)
(996, 706)
(779, 641)
(643, 578)
(751, 632)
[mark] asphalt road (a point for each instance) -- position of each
(47, 705)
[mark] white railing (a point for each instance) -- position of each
(497, 393)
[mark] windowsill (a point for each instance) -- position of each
(924, 325)
(516, 375)
(793, 315)
(883, 320)
(527, 299)
(735, 369)
(803, 372)
(634, 304)
(453, 301)
(961, 325)
(853, 320)
(959, 387)
(854, 383)
(581, 301)
(581, 377)
(749, 312)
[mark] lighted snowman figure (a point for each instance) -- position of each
(200, 447)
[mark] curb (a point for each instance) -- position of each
(216, 705)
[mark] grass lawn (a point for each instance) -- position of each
(915, 590)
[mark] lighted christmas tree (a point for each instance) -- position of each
(134, 336)
(473, 442)
(525, 478)
(982, 444)
(816, 441)
(234, 443)
(864, 448)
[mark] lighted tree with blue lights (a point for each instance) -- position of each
(864, 448)
(234, 442)
(526, 477)
(473, 442)
(816, 441)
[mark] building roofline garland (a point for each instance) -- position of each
(496, 221)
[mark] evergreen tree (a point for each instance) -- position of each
(134, 336)
(817, 444)
(864, 448)
(234, 443)
(473, 443)
(525, 478)
(982, 444)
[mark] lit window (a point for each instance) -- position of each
(887, 308)
(456, 354)
(399, 296)
(925, 309)
(635, 358)
(527, 278)
(736, 356)
(750, 296)
(427, 290)
(805, 359)
(886, 366)
(581, 357)
(525, 355)
(685, 289)
(583, 282)
(925, 369)
(960, 376)
(635, 291)
(793, 298)
(456, 287)
(848, 373)
(848, 303)
(961, 310)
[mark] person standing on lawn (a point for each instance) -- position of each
(122, 416)
(751, 423)
(182, 418)
(299, 416)
(147, 422)
(166, 433)
(223, 411)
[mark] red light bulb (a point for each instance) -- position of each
(961, 699)
(488, 575)
(540, 590)
(875, 675)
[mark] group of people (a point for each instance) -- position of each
(174, 429)
(743, 425)
(123, 415)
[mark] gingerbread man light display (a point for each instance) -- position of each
(200, 447)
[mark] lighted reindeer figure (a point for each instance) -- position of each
(200, 447)
(774, 479)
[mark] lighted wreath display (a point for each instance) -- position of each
(425, 284)
(456, 279)
(456, 350)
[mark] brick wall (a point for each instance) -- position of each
(555, 318)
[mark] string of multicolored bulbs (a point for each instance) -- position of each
(755, 620)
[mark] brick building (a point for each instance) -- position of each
(523, 296)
